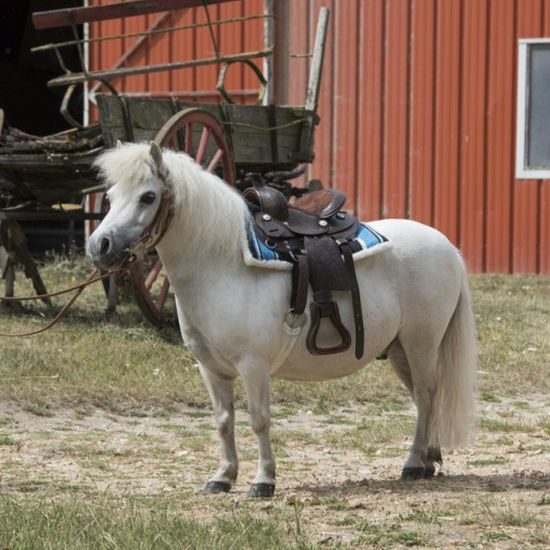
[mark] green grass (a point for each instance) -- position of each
(131, 367)
(137, 524)
(513, 316)
(85, 488)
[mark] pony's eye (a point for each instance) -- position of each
(147, 198)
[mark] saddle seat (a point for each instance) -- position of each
(315, 234)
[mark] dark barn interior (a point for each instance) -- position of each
(29, 104)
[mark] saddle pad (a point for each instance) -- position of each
(366, 242)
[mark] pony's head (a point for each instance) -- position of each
(138, 183)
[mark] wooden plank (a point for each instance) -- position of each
(251, 144)
(525, 192)
(500, 113)
(395, 108)
(472, 136)
(369, 110)
(447, 119)
(316, 66)
(76, 78)
(77, 16)
(422, 115)
(346, 18)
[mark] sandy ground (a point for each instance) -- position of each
(496, 493)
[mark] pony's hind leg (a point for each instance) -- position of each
(433, 456)
(222, 395)
(401, 366)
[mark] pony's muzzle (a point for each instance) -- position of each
(106, 251)
(105, 246)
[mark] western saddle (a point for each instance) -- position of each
(317, 237)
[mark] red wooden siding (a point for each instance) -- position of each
(196, 83)
(419, 99)
(417, 107)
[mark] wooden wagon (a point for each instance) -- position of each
(229, 139)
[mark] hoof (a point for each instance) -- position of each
(412, 474)
(215, 487)
(261, 490)
(429, 472)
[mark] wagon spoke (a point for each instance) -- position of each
(189, 139)
(163, 293)
(153, 274)
(215, 160)
(202, 144)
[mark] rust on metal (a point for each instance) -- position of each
(76, 78)
(149, 32)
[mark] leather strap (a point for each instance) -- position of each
(355, 300)
(300, 285)
(79, 289)
(158, 226)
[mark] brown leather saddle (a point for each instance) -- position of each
(317, 237)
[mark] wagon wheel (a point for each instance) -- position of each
(199, 134)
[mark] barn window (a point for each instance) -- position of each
(533, 128)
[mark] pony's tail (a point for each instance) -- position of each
(453, 409)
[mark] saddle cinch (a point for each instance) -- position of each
(317, 237)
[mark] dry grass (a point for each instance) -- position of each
(106, 433)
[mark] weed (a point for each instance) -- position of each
(6, 440)
(495, 536)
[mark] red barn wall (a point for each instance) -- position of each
(418, 108)
(194, 83)
(418, 119)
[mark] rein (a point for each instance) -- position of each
(147, 241)
(92, 278)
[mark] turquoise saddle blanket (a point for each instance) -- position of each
(365, 242)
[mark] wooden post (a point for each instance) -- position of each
(314, 86)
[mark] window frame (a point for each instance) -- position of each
(523, 171)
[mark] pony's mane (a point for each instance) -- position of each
(219, 210)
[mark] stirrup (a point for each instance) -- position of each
(317, 312)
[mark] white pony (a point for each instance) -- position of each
(415, 299)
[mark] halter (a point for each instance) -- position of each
(159, 226)
(152, 236)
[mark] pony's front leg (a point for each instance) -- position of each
(257, 386)
(222, 395)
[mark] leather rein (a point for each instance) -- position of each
(147, 241)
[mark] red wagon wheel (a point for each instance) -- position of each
(199, 134)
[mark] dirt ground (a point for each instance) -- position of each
(342, 482)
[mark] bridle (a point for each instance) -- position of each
(159, 225)
(150, 238)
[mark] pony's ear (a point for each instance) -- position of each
(156, 154)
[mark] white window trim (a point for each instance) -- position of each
(522, 171)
